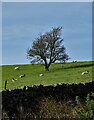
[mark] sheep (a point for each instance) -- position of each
(13, 79)
(21, 76)
(16, 68)
(85, 72)
(41, 75)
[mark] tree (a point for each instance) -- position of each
(48, 48)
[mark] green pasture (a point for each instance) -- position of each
(59, 73)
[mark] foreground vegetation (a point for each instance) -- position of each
(59, 73)
(49, 108)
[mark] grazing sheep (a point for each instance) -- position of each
(41, 75)
(13, 79)
(16, 68)
(85, 72)
(21, 76)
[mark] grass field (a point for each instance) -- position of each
(59, 73)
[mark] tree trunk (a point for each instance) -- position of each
(46, 65)
(46, 68)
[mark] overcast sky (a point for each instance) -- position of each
(23, 22)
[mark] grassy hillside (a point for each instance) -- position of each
(59, 73)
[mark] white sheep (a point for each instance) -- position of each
(41, 75)
(16, 68)
(21, 76)
(13, 79)
(85, 72)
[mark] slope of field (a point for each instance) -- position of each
(59, 73)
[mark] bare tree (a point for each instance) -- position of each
(48, 48)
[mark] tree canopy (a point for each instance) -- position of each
(48, 48)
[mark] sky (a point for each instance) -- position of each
(22, 23)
